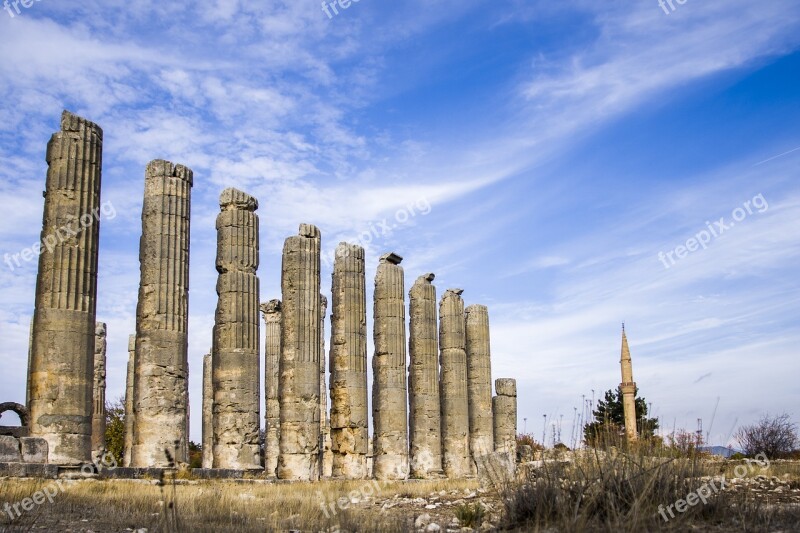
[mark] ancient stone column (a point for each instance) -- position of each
(628, 388)
(326, 455)
(423, 381)
(208, 412)
(389, 392)
(504, 406)
(236, 371)
(99, 392)
(453, 386)
(129, 411)
(349, 414)
(272, 351)
(479, 381)
(161, 395)
(62, 355)
(299, 365)
(30, 368)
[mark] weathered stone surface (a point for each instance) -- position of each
(9, 450)
(208, 412)
(453, 386)
(349, 411)
(235, 354)
(504, 406)
(33, 450)
(628, 388)
(479, 381)
(129, 411)
(62, 355)
(160, 435)
(326, 454)
(30, 367)
(272, 319)
(99, 392)
(299, 364)
(496, 470)
(423, 380)
(389, 392)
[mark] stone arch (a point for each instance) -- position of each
(21, 410)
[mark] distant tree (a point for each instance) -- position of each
(608, 426)
(527, 439)
(115, 428)
(684, 442)
(775, 437)
(195, 455)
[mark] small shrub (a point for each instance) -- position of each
(470, 515)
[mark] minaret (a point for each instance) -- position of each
(628, 388)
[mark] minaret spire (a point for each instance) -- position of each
(628, 388)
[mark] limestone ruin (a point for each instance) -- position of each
(425, 440)
(299, 363)
(479, 381)
(453, 386)
(235, 352)
(62, 349)
(389, 392)
(99, 392)
(348, 363)
(504, 406)
(272, 356)
(208, 412)
(628, 388)
(129, 414)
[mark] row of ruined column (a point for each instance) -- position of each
(433, 415)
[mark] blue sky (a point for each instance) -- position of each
(539, 155)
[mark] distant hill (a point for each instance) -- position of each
(722, 451)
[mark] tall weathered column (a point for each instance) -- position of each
(99, 392)
(129, 411)
(62, 355)
(349, 415)
(504, 406)
(160, 390)
(479, 381)
(389, 392)
(325, 452)
(453, 386)
(272, 357)
(423, 381)
(30, 368)
(299, 365)
(208, 411)
(236, 371)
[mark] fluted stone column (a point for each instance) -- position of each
(299, 364)
(208, 411)
(423, 381)
(453, 386)
(479, 381)
(161, 394)
(272, 352)
(62, 355)
(349, 414)
(236, 373)
(389, 393)
(129, 411)
(326, 454)
(99, 392)
(30, 368)
(505, 416)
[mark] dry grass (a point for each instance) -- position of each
(115, 505)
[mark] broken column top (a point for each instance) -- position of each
(131, 343)
(391, 258)
(453, 292)
(100, 328)
(272, 307)
(476, 308)
(426, 279)
(235, 199)
(505, 387)
(345, 249)
(309, 231)
(72, 122)
(161, 167)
